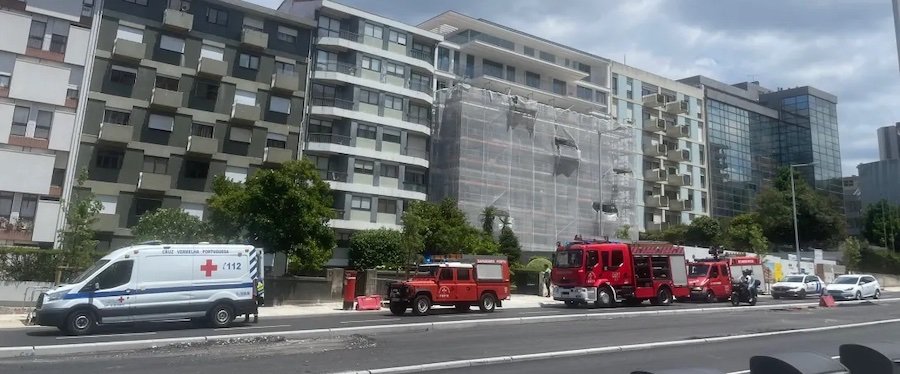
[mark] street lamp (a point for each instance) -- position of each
(794, 203)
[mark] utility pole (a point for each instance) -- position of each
(794, 203)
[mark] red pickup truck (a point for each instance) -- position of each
(461, 285)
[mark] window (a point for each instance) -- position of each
(446, 274)
(529, 51)
(329, 26)
(253, 24)
(511, 73)
(584, 93)
(164, 123)
(117, 274)
(4, 80)
(463, 274)
(364, 167)
(600, 97)
(418, 113)
(58, 43)
(36, 34)
(286, 34)
(615, 84)
(387, 206)
(390, 171)
(207, 89)
(394, 69)
(138, 2)
(155, 165)
(559, 87)
(390, 136)
(43, 124)
(236, 174)
(533, 79)
(368, 97)
(240, 134)
(248, 61)
(443, 59)
(491, 68)
(361, 203)
(366, 131)
(109, 159)
(196, 169)
(414, 177)
(20, 120)
(28, 208)
(122, 75)
(393, 102)
(182, 5)
(373, 31)
(371, 63)
(201, 130)
(167, 83)
(6, 200)
(212, 53)
(397, 37)
(171, 44)
(116, 117)
(130, 33)
(280, 104)
(548, 57)
(284, 68)
(217, 16)
(276, 140)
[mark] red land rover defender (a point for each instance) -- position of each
(484, 283)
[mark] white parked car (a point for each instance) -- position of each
(797, 285)
(856, 286)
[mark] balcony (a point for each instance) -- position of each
(343, 34)
(177, 20)
(419, 55)
(653, 100)
(679, 131)
(655, 150)
(55, 191)
(285, 82)
(332, 102)
(656, 201)
(425, 121)
(496, 50)
(678, 107)
(338, 213)
(244, 113)
(679, 179)
(681, 205)
(416, 152)
(106, 223)
(154, 182)
(679, 155)
(409, 186)
(656, 175)
(212, 68)
(329, 138)
(166, 99)
(254, 38)
(202, 145)
(333, 176)
(20, 230)
(655, 124)
(275, 155)
(128, 50)
(420, 86)
(111, 132)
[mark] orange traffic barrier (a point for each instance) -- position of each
(826, 301)
(368, 302)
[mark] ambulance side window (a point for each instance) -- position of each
(618, 259)
(114, 276)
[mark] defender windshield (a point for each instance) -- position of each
(793, 279)
(846, 280)
(90, 271)
(698, 270)
(426, 271)
(568, 259)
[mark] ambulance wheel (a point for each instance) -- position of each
(221, 316)
(421, 305)
(80, 322)
(663, 297)
(711, 297)
(604, 298)
(487, 303)
(398, 309)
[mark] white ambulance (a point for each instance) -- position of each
(152, 281)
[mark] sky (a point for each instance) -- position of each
(846, 47)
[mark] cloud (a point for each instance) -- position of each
(845, 47)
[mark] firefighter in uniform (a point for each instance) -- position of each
(260, 300)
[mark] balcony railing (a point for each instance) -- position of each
(332, 102)
(338, 213)
(420, 55)
(409, 186)
(334, 176)
(343, 34)
(420, 86)
(420, 120)
(329, 138)
(417, 152)
(338, 67)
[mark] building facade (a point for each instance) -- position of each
(878, 180)
(889, 142)
(43, 54)
(369, 128)
(181, 92)
(853, 209)
(668, 117)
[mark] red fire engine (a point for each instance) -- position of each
(711, 278)
(600, 273)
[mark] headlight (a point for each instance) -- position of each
(53, 296)
(848, 289)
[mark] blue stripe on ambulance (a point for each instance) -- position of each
(86, 295)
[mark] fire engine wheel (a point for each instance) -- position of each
(604, 298)
(711, 297)
(571, 303)
(663, 297)
(487, 303)
(398, 309)
(422, 305)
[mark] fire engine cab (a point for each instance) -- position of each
(600, 273)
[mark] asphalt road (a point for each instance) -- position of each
(390, 350)
(37, 336)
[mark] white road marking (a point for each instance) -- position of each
(541, 311)
(250, 327)
(748, 371)
(371, 320)
(104, 336)
(459, 315)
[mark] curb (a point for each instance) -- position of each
(60, 349)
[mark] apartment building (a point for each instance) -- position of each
(368, 133)
(43, 53)
(182, 91)
(671, 137)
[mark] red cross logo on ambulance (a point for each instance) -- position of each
(209, 268)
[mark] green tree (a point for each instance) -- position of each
(171, 225)
(881, 224)
(509, 245)
(743, 233)
(285, 209)
(819, 221)
(675, 234)
(441, 228)
(227, 207)
(703, 231)
(852, 254)
(538, 264)
(624, 232)
(488, 218)
(77, 241)
(377, 248)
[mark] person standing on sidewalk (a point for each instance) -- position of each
(546, 274)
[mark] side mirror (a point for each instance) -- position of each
(95, 287)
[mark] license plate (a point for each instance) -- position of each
(395, 299)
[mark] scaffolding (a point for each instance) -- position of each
(543, 167)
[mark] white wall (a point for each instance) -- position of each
(25, 172)
(61, 131)
(41, 83)
(6, 114)
(76, 50)
(65, 9)
(15, 32)
(45, 221)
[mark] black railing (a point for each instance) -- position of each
(420, 55)
(343, 34)
(421, 87)
(329, 138)
(332, 101)
(419, 119)
(409, 186)
(338, 67)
